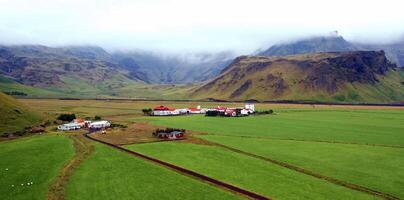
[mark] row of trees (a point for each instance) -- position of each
(71, 117)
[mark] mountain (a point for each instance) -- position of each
(334, 43)
(90, 71)
(69, 70)
(394, 51)
(188, 68)
(358, 76)
(331, 43)
(15, 116)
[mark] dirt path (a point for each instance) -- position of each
(83, 149)
(313, 174)
(186, 172)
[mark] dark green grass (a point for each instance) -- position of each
(246, 172)
(111, 174)
(378, 168)
(36, 159)
(356, 126)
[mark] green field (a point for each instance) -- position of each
(354, 126)
(306, 138)
(378, 168)
(15, 116)
(36, 159)
(361, 145)
(252, 174)
(111, 174)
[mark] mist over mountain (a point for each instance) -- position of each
(154, 68)
(334, 43)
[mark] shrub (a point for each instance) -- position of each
(212, 113)
(147, 111)
(118, 126)
(67, 117)
(97, 117)
(265, 112)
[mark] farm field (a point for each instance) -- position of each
(375, 167)
(111, 174)
(351, 126)
(361, 145)
(255, 175)
(36, 159)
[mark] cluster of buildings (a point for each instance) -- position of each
(169, 134)
(224, 111)
(81, 123)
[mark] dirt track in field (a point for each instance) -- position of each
(186, 172)
(320, 141)
(83, 149)
(313, 174)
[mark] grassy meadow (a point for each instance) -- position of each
(36, 159)
(255, 175)
(111, 174)
(362, 145)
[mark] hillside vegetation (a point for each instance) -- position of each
(359, 76)
(15, 116)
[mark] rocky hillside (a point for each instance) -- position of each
(360, 76)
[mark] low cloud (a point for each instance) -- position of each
(192, 26)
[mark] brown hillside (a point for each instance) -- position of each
(360, 76)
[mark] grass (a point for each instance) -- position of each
(355, 126)
(33, 159)
(15, 116)
(377, 168)
(111, 174)
(249, 173)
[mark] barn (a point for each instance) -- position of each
(164, 111)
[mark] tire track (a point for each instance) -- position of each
(188, 172)
(320, 141)
(313, 174)
(83, 149)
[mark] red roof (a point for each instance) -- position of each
(161, 108)
(194, 109)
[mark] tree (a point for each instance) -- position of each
(147, 111)
(97, 117)
(67, 117)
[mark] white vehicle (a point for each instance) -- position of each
(69, 127)
(100, 124)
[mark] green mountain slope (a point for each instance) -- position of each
(14, 116)
(360, 76)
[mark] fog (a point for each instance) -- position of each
(178, 26)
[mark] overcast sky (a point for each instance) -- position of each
(188, 25)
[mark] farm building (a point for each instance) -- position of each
(231, 112)
(81, 122)
(197, 110)
(99, 125)
(164, 111)
(69, 126)
(170, 134)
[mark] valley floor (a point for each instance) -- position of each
(300, 152)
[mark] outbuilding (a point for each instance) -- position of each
(69, 127)
(99, 124)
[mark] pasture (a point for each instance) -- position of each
(111, 174)
(35, 159)
(359, 145)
